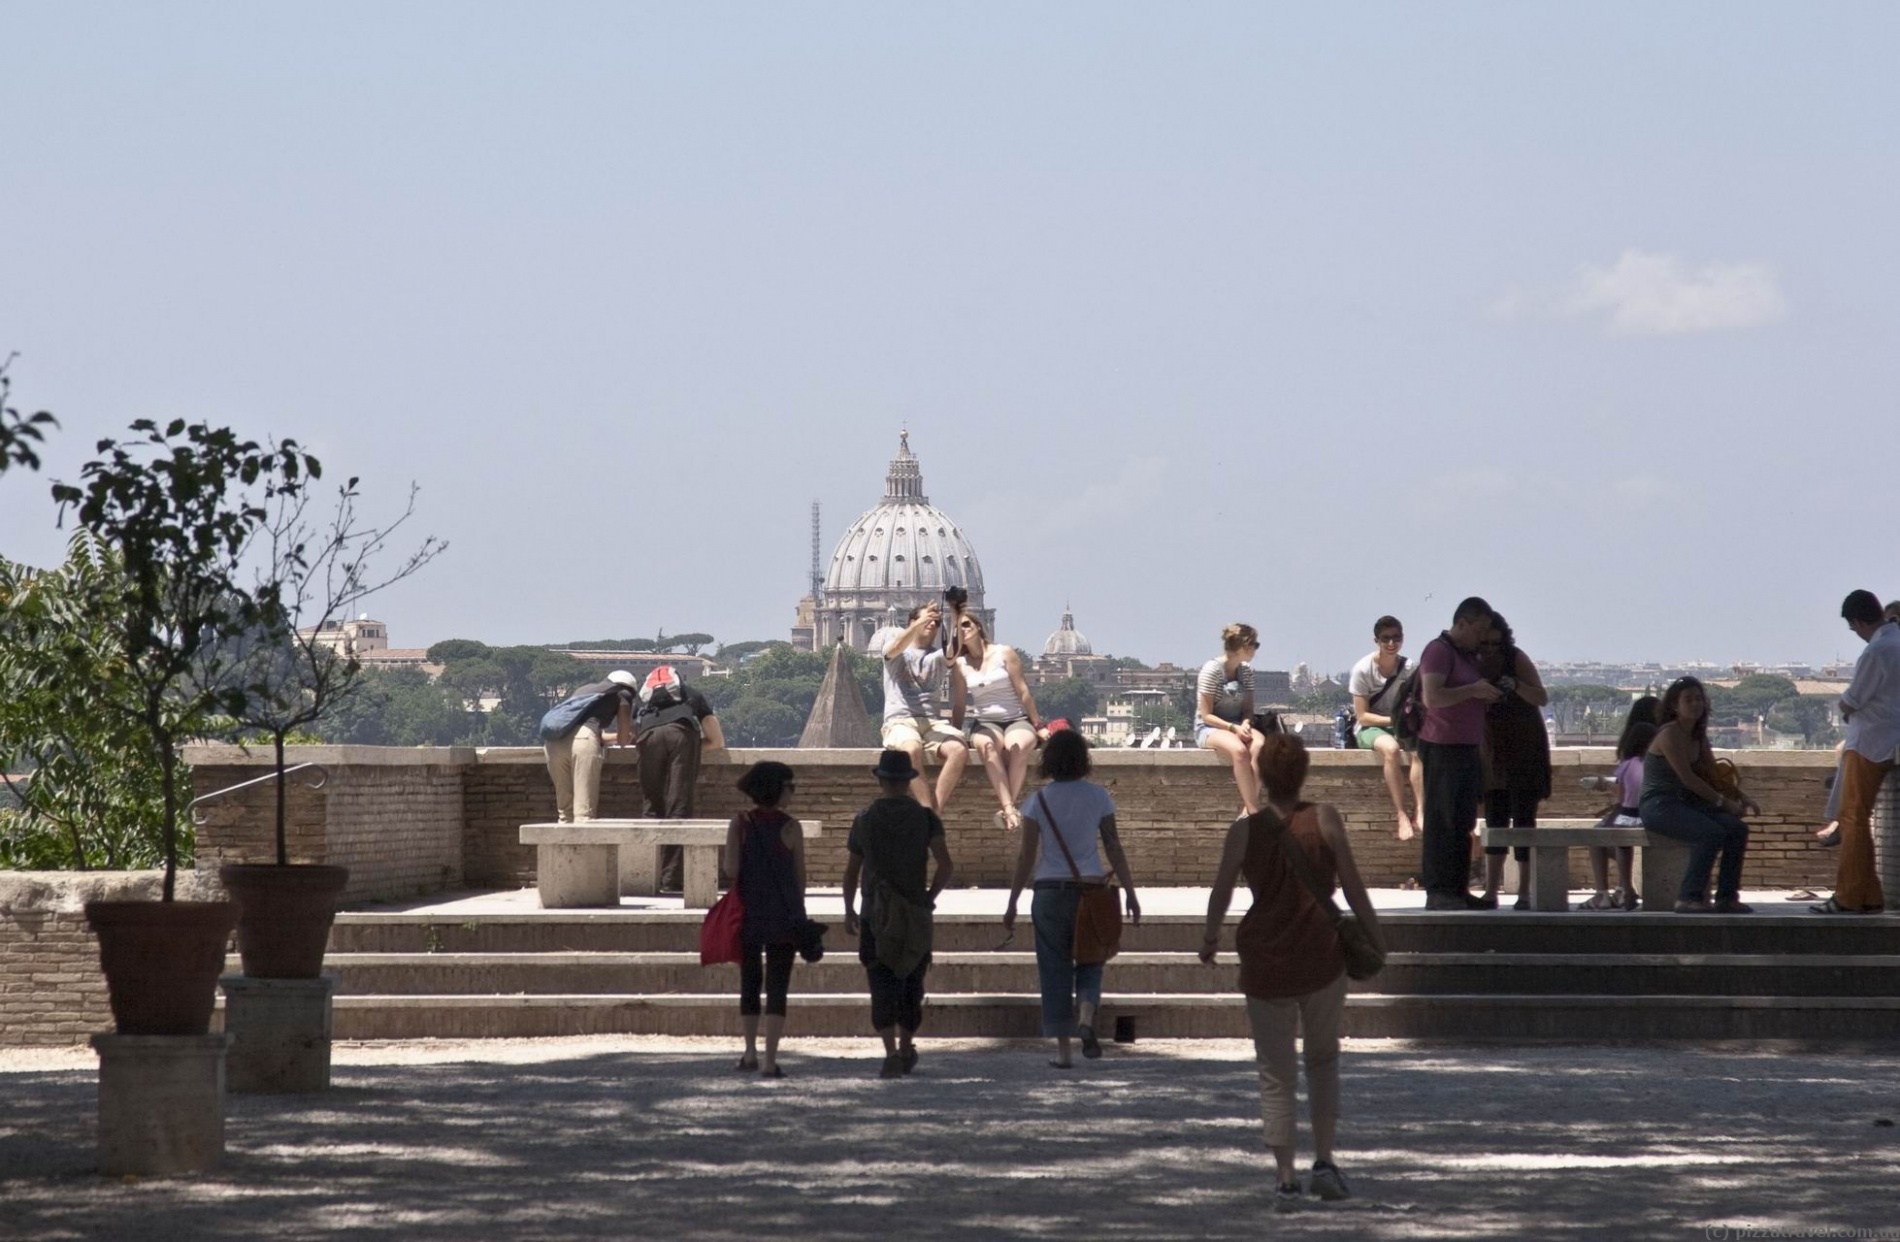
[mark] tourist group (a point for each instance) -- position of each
(1470, 714)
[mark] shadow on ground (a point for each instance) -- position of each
(1156, 1142)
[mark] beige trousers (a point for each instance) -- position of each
(574, 764)
(1316, 1016)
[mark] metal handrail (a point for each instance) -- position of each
(200, 819)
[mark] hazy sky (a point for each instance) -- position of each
(1196, 312)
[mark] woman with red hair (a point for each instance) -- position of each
(1292, 967)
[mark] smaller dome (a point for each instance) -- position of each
(1067, 641)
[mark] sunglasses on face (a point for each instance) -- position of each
(1391, 638)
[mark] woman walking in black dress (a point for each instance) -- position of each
(1516, 752)
(765, 851)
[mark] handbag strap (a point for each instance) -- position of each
(1295, 855)
(1060, 843)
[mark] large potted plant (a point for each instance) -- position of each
(295, 669)
(179, 508)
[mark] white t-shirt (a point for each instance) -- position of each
(1366, 680)
(1079, 807)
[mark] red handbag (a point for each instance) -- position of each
(722, 935)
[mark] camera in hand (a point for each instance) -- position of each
(956, 597)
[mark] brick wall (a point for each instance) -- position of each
(394, 817)
(51, 989)
(1174, 807)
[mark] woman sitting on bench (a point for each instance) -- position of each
(1680, 802)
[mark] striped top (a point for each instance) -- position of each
(1231, 695)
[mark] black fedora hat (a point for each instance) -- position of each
(894, 765)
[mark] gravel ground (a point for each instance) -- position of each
(616, 1137)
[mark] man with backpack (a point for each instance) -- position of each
(891, 844)
(670, 724)
(571, 737)
(1376, 685)
(1453, 694)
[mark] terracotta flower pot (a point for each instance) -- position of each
(284, 916)
(162, 960)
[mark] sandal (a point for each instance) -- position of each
(774, 1072)
(1832, 906)
(746, 1067)
(1602, 901)
(1629, 899)
(1803, 894)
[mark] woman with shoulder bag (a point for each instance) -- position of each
(1062, 823)
(1292, 960)
(765, 853)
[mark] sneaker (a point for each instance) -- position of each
(909, 1057)
(1523, 902)
(1694, 907)
(1732, 905)
(893, 1067)
(1327, 1181)
(1287, 1198)
(1446, 901)
(1091, 1046)
(1481, 901)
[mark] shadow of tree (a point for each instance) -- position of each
(1160, 1141)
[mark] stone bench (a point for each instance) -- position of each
(593, 863)
(1660, 860)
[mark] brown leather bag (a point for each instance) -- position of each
(1098, 913)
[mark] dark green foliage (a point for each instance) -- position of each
(20, 434)
(179, 507)
(89, 791)
(1071, 698)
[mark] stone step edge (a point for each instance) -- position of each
(1405, 918)
(1164, 1000)
(978, 957)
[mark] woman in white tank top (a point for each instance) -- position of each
(986, 684)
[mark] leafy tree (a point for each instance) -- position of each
(401, 707)
(611, 644)
(758, 721)
(1071, 698)
(20, 434)
(179, 507)
(691, 642)
(1814, 717)
(92, 797)
(450, 650)
(734, 654)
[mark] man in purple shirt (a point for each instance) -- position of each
(1455, 695)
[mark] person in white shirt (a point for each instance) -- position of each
(1374, 687)
(1871, 707)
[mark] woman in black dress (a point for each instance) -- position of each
(1516, 752)
(765, 851)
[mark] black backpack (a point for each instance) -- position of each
(1408, 705)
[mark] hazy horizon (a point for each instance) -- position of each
(1281, 313)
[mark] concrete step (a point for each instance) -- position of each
(1646, 974)
(1181, 1015)
(1769, 931)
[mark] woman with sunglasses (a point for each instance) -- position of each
(1223, 701)
(986, 683)
(1680, 802)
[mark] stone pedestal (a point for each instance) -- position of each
(1887, 839)
(161, 1103)
(573, 876)
(639, 870)
(280, 1033)
(1659, 868)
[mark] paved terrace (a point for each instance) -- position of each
(616, 1137)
